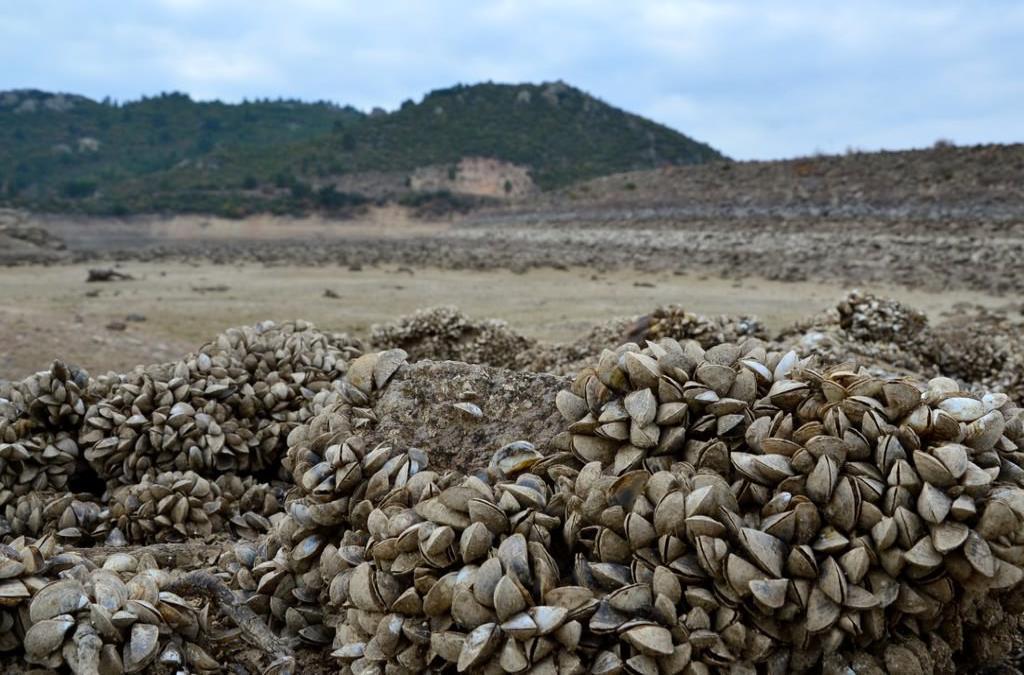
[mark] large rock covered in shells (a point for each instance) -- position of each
(39, 421)
(871, 318)
(228, 407)
(446, 334)
(673, 321)
(824, 511)
(727, 509)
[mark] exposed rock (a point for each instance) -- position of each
(418, 409)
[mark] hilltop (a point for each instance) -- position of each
(169, 153)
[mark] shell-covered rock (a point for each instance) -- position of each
(227, 408)
(111, 619)
(712, 510)
(446, 334)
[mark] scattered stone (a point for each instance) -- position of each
(101, 275)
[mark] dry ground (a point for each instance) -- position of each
(47, 312)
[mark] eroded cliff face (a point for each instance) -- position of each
(478, 176)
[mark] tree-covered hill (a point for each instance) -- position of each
(169, 153)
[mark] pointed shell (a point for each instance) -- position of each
(478, 646)
(650, 639)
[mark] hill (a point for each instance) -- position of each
(945, 184)
(62, 152)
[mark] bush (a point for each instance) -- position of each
(78, 189)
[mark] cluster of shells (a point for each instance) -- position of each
(165, 452)
(723, 507)
(825, 510)
(447, 334)
(983, 347)
(870, 318)
(227, 408)
(977, 345)
(730, 509)
(38, 421)
(673, 321)
(61, 610)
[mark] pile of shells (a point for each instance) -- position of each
(446, 334)
(39, 418)
(21, 566)
(227, 408)
(733, 508)
(171, 506)
(42, 461)
(823, 510)
(982, 347)
(332, 470)
(248, 505)
(51, 399)
(672, 321)
(114, 619)
(665, 321)
(167, 507)
(869, 318)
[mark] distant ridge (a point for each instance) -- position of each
(63, 152)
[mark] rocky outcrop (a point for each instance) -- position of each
(461, 413)
(479, 176)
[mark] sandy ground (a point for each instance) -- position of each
(137, 231)
(47, 312)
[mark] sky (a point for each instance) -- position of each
(757, 79)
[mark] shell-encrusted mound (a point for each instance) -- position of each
(113, 619)
(227, 408)
(39, 419)
(826, 510)
(171, 506)
(869, 318)
(981, 347)
(446, 334)
(729, 509)
(672, 321)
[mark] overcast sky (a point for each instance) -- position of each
(756, 79)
